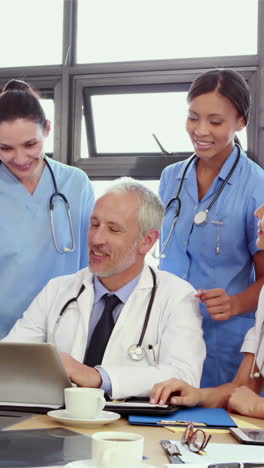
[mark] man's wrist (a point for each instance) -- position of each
(89, 377)
(98, 378)
(106, 383)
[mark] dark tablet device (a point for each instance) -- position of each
(136, 405)
(248, 436)
(9, 418)
(42, 447)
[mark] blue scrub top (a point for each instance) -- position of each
(191, 252)
(28, 258)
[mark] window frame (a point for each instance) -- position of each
(145, 165)
(69, 78)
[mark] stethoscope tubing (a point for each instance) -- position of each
(256, 375)
(178, 199)
(178, 210)
(146, 320)
(53, 197)
(63, 310)
(149, 308)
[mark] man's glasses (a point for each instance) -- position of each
(196, 440)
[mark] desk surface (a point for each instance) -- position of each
(152, 435)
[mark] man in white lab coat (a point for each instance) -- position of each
(125, 224)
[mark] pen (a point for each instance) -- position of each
(179, 422)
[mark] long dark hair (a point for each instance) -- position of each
(229, 84)
(18, 100)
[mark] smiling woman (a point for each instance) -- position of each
(29, 256)
(213, 244)
(21, 147)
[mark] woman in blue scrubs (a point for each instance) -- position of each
(218, 257)
(28, 256)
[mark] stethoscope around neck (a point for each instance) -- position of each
(202, 216)
(135, 351)
(55, 196)
(257, 374)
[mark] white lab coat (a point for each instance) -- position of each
(254, 339)
(174, 330)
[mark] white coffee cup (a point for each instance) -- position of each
(117, 449)
(84, 403)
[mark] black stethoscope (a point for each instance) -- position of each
(202, 216)
(52, 200)
(135, 351)
(256, 375)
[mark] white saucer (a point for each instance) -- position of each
(104, 417)
(91, 464)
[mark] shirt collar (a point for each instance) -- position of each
(123, 293)
(227, 166)
(225, 169)
(192, 166)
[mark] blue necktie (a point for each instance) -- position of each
(95, 351)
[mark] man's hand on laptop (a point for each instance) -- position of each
(79, 373)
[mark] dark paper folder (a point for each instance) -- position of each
(211, 417)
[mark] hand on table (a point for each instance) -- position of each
(79, 373)
(176, 391)
(219, 304)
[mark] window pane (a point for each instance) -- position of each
(124, 123)
(84, 144)
(31, 32)
(48, 106)
(118, 30)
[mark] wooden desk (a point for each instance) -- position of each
(152, 435)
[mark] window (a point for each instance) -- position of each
(48, 106)
(31, 32)
(135, 30)
(103, 60)
(124, 123)
(119, 122)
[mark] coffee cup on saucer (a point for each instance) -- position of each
(117, 449)
(84, 403)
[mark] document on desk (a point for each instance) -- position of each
(210, 417)
(223, 453)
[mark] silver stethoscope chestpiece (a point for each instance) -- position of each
(137, 353)
(201, 218)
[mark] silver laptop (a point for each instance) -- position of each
(31, 375)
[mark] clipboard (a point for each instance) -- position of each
(200, 417)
